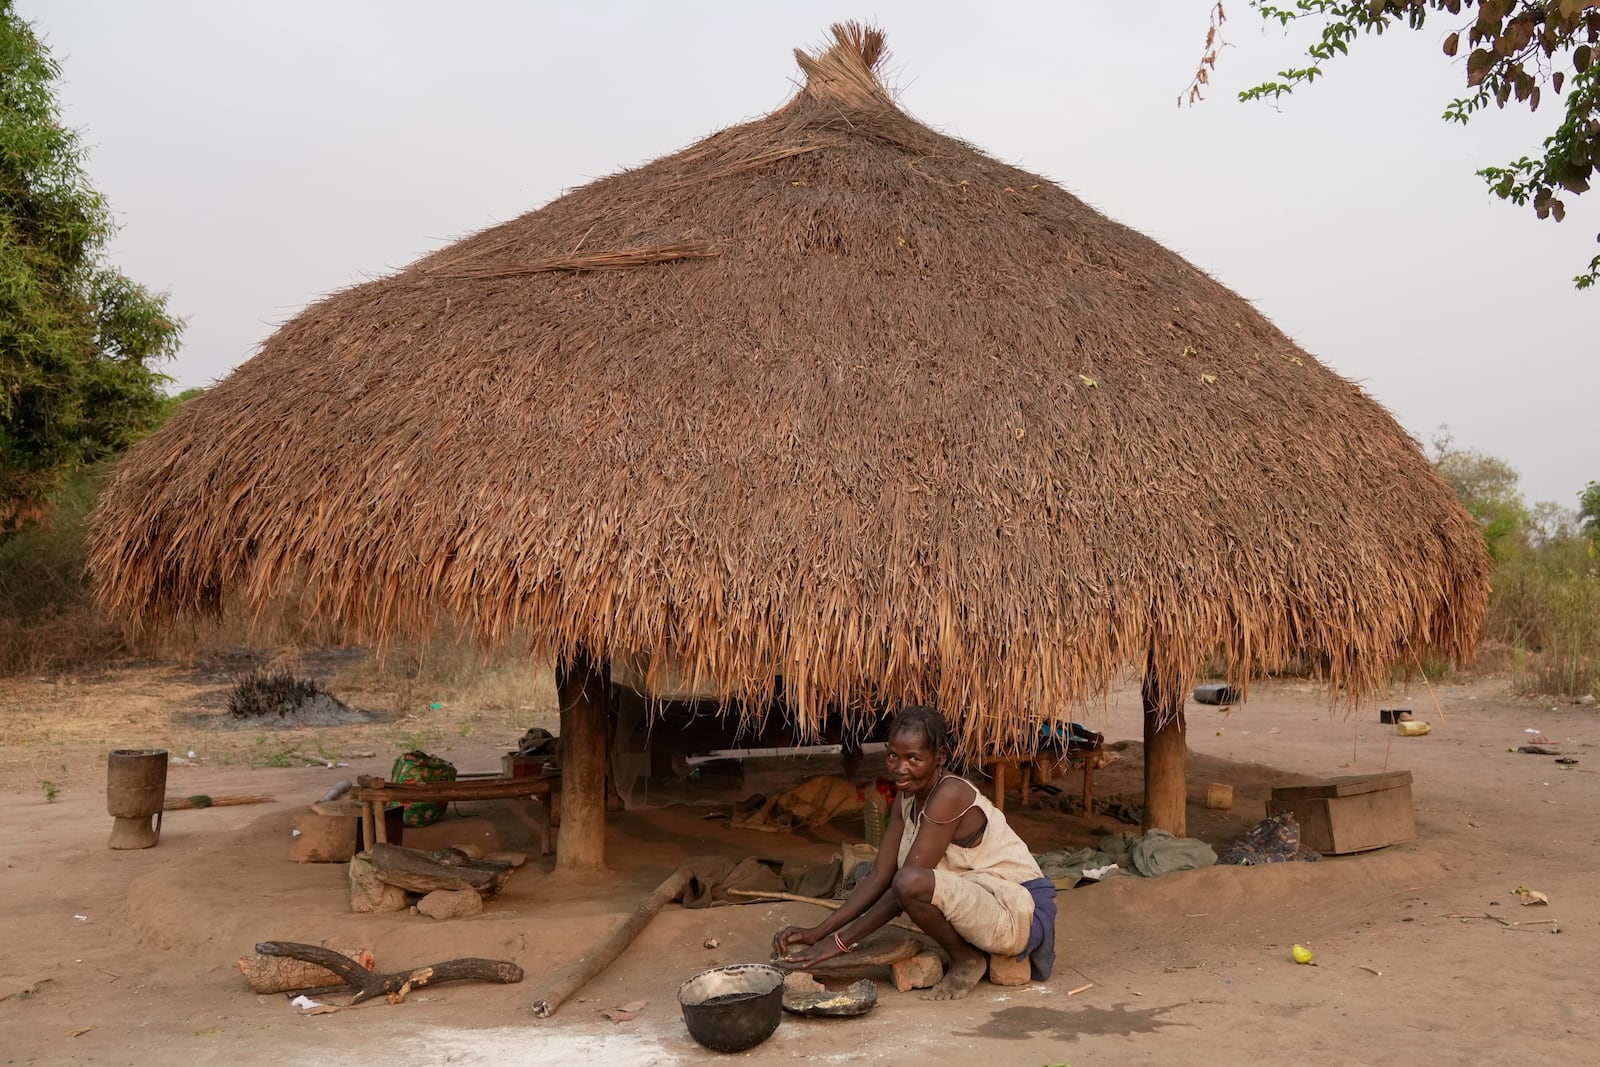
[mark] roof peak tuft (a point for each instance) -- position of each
(846, 72)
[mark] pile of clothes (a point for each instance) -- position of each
(1276, 839)
(1127, 855)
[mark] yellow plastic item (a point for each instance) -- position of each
(1411, 729)
(1301, 954)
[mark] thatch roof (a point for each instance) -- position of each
(828, 396)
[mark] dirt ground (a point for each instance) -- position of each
(127, 957)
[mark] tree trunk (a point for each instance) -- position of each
(582, 684)
(1165, 792)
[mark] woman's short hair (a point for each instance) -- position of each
(926, 721)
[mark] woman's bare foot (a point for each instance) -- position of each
(964, 973)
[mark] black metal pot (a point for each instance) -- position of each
(730, 1009)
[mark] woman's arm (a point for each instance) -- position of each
(947, 805)
(864, 900)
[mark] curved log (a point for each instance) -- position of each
(369, 984)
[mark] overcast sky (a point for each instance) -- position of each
(258, 156)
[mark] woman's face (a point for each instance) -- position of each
(912, 765)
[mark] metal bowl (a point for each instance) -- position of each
(730, 1009)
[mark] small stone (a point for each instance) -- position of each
(1586, 700)
(451, 904)
(1008, 970)
(712, 942)
(919, 972)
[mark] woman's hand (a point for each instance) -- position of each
(827, 949)
(784, 941)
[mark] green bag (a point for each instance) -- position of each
(418, 766)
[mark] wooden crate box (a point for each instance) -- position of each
(1352, 814)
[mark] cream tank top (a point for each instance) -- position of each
(999, 851)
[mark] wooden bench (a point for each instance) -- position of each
(375, 794)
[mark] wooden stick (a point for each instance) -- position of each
(1436, 705)
(1397, 892)
(1083, 988)
(606, 952)
(394, 986)
(772, 894)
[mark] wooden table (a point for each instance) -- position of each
(1001, 767)
(1041, 767)
(375, 794)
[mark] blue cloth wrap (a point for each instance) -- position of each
(1041, 950)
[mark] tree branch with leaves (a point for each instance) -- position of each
(79, 341)
(1517, 49)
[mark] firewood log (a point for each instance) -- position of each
(369, 984)
(447, 868)
(281, 974)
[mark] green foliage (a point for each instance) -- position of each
(78, 340)
(1519, 48)
(41, 565)
(47, 615)
(1545, 604)
(1589, 514)
(1548, 609)
(1488, 488)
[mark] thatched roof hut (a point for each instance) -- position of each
(827, 396)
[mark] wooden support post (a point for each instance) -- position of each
(1165, 792)
(582, 685)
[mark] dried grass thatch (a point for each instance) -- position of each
(865, 409)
